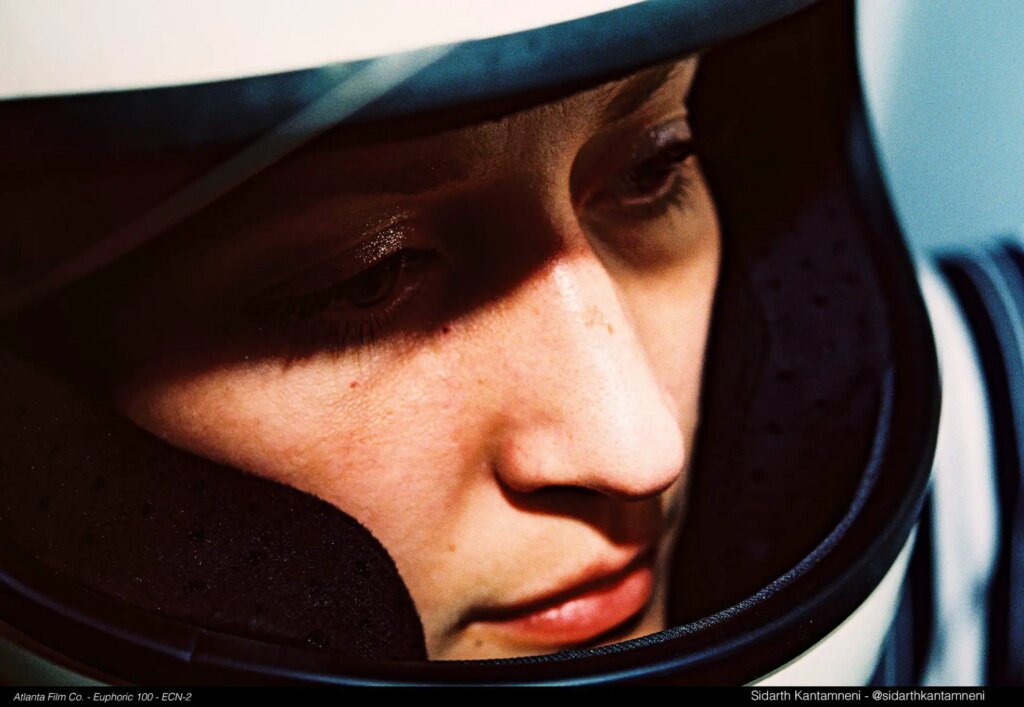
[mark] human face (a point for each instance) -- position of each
(485, 344)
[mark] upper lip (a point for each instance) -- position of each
(595, 576)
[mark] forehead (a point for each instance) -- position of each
(411, 159)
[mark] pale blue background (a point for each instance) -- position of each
(945, 86)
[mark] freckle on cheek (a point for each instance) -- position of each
(611, 329)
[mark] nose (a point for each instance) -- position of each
(583, 407)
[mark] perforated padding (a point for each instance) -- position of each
(800, 339)
(121, 513)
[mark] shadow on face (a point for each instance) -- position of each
(484, 343)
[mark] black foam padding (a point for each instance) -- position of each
(800, 335)
(119, 512)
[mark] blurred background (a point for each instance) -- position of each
(945, 85)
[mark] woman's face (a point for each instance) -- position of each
(484, 344)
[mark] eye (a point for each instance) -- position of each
(652, 178)
(376, 287)
(349, 312)
(642, 196)
(655, 177)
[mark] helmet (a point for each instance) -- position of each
(126, 558)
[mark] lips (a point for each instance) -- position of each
(580, 612)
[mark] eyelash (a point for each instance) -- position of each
(310, 322)
(629, 194)
(305, 321)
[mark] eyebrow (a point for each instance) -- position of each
(638, 90)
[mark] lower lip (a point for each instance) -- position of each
(583, 617)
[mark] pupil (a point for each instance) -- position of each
(653, 174)
(371, 287)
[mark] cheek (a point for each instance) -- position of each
(387, 448)
(672, 314)
(407, 439)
